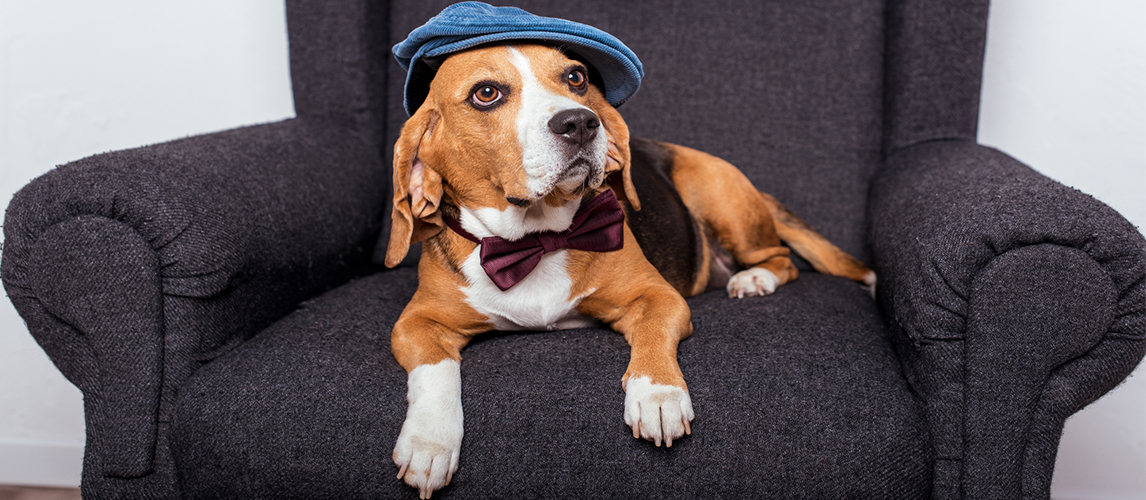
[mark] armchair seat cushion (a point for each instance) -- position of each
(798, 395)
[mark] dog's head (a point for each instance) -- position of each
(514, 135)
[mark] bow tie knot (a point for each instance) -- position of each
(552, 242)
(598, 226)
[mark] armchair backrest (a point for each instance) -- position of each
(339, 58)
(806, 98)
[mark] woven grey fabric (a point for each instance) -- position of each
(214, 299)
(1016, 300)
(798, 395)
(133, 268)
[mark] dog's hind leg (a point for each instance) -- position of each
(730, 208)
(750, 226)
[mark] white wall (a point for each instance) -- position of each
(1064, 90)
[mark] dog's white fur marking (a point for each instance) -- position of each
(431, 439)
(751, 282)
(541, 301)
(543, 157)
(869, 281)
(657, 412)
(515, 222)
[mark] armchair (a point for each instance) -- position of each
(216, 301)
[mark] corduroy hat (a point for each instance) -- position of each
(469, 24)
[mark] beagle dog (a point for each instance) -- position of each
(512, 143)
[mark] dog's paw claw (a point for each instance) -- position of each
(656, 412)
(427, 466)
(752, 282)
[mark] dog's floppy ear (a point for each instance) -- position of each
(617, 167)
(417, 188)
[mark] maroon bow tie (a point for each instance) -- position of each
(598, 226)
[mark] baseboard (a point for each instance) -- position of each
(41, 463)
(1125, 495)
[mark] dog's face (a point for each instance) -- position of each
(512, 134)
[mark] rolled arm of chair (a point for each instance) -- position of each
(1014, 300)
(132, 268)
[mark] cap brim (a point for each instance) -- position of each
(620, 78)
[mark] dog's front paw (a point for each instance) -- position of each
(657, 412)
(430, 443)
(425, 462)
(752, 281)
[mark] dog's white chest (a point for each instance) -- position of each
(541, 301)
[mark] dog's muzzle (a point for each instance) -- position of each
(575, 127)
(576, 131)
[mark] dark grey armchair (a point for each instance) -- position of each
(215, 298)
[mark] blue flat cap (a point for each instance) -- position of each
(468, 24)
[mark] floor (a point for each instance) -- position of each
(28, 493)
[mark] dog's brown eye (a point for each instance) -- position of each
(576, 78)
(486, 95)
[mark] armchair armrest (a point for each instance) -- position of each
(133, 268)
(1015, 301)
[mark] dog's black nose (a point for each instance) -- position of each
(575, 126)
